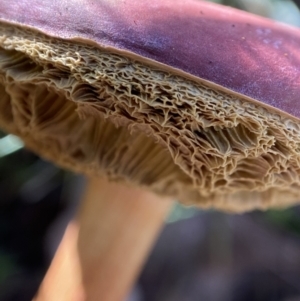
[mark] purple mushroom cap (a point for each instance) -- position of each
(236, 50)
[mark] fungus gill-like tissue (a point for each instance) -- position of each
(101, 112)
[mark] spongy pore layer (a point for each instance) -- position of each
(103, 112)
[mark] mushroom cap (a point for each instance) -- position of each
(190, 99)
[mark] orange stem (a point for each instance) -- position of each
(104, 248)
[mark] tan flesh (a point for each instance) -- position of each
(104, 249)
(98, 112)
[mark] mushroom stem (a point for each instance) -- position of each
(104, 248)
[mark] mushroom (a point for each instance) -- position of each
(167, 100)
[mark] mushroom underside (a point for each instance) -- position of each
(102, 112)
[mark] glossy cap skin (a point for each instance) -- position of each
(192, 100)
(244, 53)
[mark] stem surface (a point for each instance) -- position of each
(104, 248)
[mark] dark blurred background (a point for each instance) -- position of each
(200, 255)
